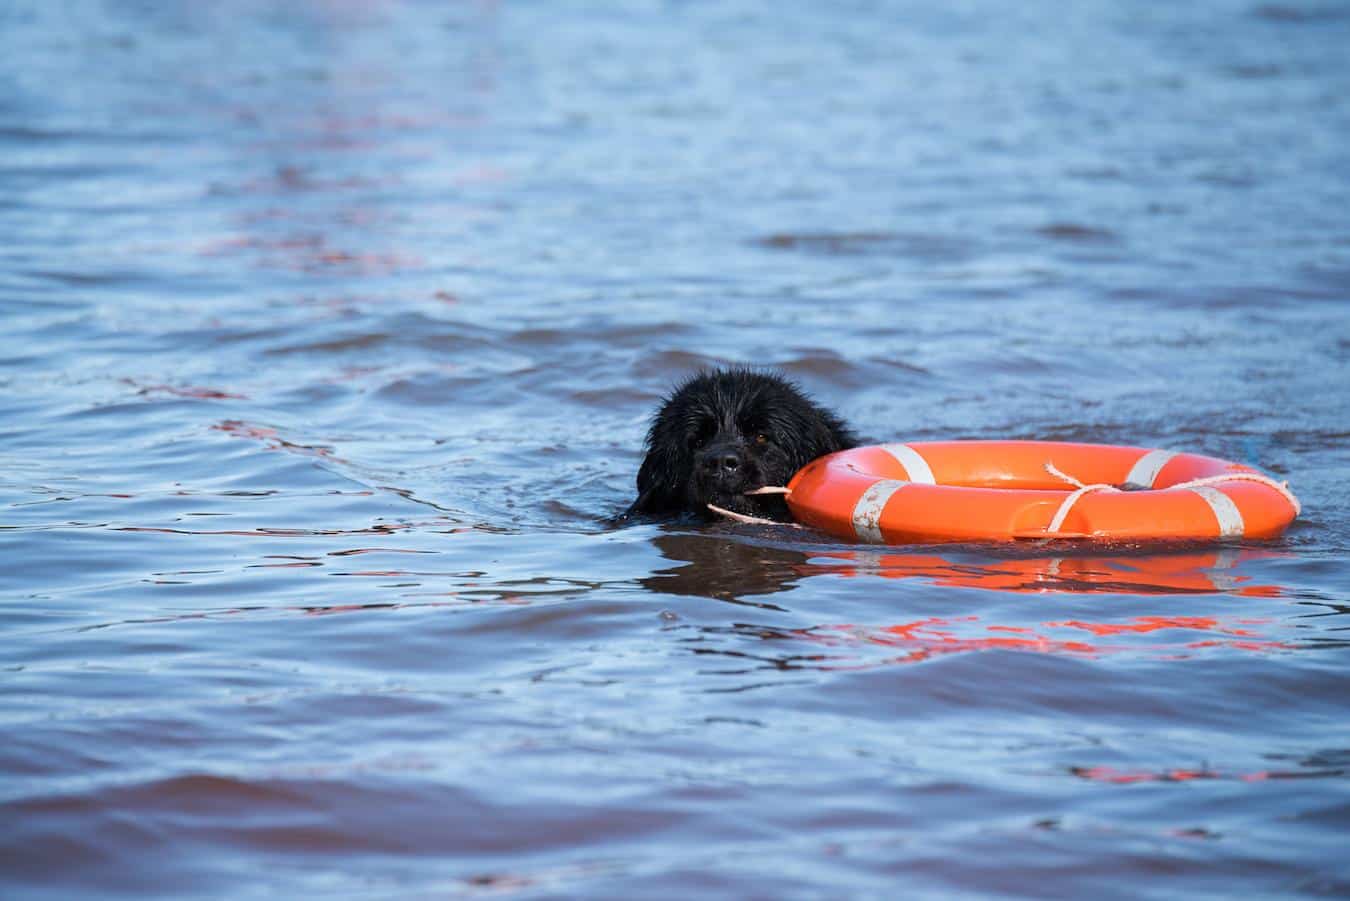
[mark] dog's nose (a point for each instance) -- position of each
(722, 461)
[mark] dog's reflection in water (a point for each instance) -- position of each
(715, 566)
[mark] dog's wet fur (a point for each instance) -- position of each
(728, 431)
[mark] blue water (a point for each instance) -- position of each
(328, 336)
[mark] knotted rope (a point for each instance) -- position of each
(1067, 504)
(1082, 490)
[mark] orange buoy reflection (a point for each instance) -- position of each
(1168, 604)
(1172, 637)
(1200, 572)
(1164, 635)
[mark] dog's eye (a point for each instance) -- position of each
(761, 439)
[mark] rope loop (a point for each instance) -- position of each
(1082, 490)
(755, 520)
(1281, 487)
(752, 520)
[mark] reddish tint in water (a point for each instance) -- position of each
(328, 336)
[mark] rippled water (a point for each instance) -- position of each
(330, 330)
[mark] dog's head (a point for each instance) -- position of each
(726, 432)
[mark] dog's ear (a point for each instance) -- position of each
(657, 482)
(809, 431)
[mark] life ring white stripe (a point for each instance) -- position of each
(1145, 470)
(867, 512)
(913, 461)
(1226, 512)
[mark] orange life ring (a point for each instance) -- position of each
(1003, 490)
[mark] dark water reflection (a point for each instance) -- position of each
(328, 332)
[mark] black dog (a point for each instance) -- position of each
(729, 431)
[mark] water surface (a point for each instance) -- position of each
(328, 335)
